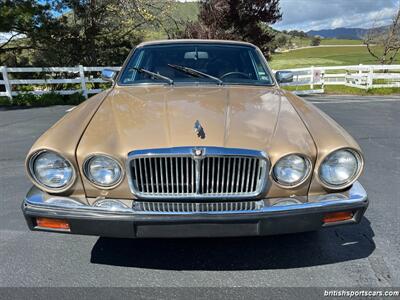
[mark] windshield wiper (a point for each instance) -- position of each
(195, 73)
(154, 75)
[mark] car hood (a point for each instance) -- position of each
(149, 117)
(157, 117)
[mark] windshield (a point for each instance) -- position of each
(196, 63)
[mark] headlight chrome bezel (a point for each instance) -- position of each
(31, 172)
(351, 180)
(298, 183)
(90, 178)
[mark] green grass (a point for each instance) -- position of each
(347, 90)
(340, 42)
(323, 56)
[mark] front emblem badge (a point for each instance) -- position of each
(199, 130)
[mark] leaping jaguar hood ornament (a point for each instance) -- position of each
(199, 130)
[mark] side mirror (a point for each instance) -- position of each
(108, 75)
(284, 76)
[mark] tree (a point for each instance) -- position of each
(298, 33)
(101, 32)
(315, 41)
(20, 19)
(236, 20)
(281, 40)
(387, 39)
(72, 32)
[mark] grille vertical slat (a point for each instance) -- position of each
(202, 177)
(166, 175)
(223, 175)
(233, 175)
(253, 174)
(248, 175)
(228, 175)
(238, 175)
(243, 175)
(156, 174)
(193, 174)
(176, 183)
(209, 176)
(161, 175)
(187, 175)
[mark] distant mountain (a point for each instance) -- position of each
(341, 33)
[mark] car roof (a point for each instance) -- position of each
(191, 41)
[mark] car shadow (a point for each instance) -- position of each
(331, 245)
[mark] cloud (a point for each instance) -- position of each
(324, 14)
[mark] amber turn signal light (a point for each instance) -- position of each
(338, 216)
(52, 223)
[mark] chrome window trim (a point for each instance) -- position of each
(207, 151)
(119, 83)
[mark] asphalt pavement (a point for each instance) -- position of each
(366, 254)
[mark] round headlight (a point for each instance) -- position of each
(51, 170)
(103, 170)
(291, 170)
(340, 168)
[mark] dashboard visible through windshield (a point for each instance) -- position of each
(196, 63)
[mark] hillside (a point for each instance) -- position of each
(185, 11)
(342, 33)
(181, 12)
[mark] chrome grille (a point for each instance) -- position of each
(164, 175)
(204, 207)
(188, 172)
(230, 175)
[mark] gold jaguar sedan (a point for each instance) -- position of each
(195, 138)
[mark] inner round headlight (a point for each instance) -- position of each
(51, 170)
(291, 169)
(103, 170)
(340, 168)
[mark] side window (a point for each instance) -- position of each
(130, 74)
(260, 70)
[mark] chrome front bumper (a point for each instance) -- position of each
(134, 222)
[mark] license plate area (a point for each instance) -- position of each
(198, 230)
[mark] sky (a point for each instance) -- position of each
(328, 14)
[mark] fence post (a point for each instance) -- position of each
(83, 82)
(7, 83)
(312, 78)
(370, 78)
(360, 72)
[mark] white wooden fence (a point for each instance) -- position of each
(81, 78)
(358, 76)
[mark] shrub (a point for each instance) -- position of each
(25, 88)
(5, 101)
(49, 99)
(74, 99)
(315, 41)
(25, 99)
